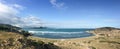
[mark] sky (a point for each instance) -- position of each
(61, 13)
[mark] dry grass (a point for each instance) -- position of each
(93, 42)
(6, 35)
(11, 40)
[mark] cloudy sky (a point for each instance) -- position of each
(61, 13)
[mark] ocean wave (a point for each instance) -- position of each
(60, 34)
(54, 32)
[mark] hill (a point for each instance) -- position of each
(12, 37)
(10, 28)
(107, 32)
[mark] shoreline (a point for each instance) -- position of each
(73, 43)
(91, 42)
(87, 34)
(104, 38)
(63, 38)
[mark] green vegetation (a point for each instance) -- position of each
(114, 42)
(91, 47)
(7, 27)
(50, 43)
(12, 37)
(35, 43)
(10, 28)
(25, 33)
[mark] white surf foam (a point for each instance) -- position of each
(54, 32)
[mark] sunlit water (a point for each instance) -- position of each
(60, 33)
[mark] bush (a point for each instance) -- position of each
(26, 33)
(40, 43)
(91, 47)
(111, 42)
(49, 43)
(11, 40)
(35, 43)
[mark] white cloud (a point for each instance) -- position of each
(8, 15)
(18, 6)
(57, 4)
(31, 21)
(7, 9)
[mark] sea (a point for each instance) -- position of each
(60, 33)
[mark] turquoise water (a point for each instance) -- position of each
(60, 33)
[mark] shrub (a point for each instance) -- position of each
(26, 33)
(50, 43)
(111, 42)
(35, 43)
(91, 47)
(11, 40)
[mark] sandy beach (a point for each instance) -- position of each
(92, 42)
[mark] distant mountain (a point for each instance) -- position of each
(39, 27)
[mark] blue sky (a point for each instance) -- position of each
(69, 13)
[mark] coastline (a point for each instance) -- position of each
(72, 43)
(62, 34)
(104, 38)
(91, 42)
